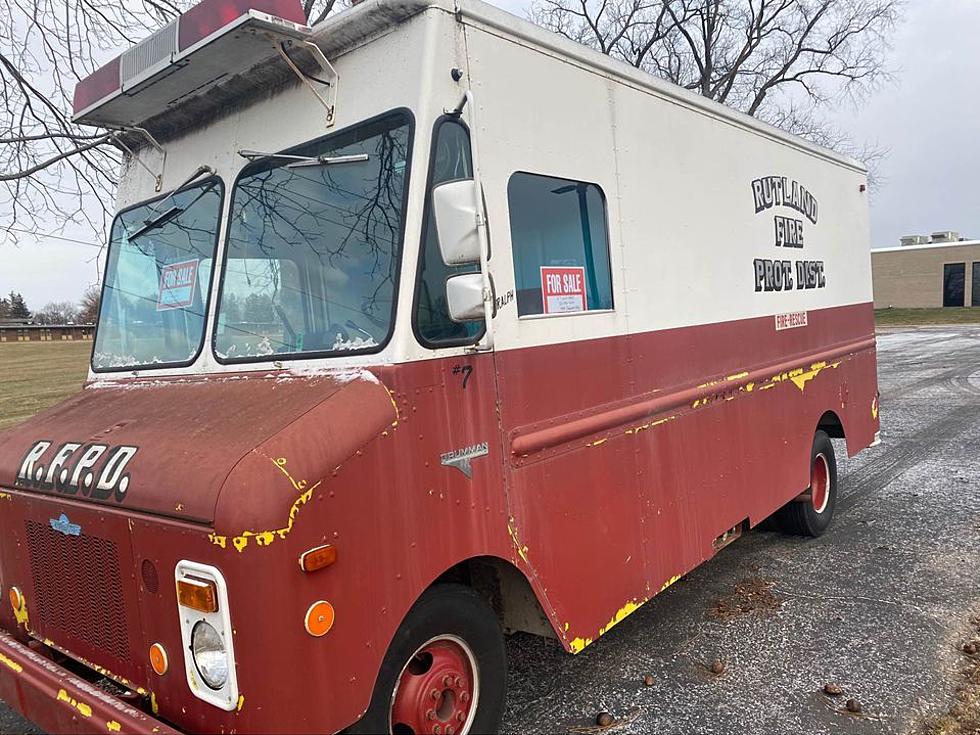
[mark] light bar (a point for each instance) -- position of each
(212, 42)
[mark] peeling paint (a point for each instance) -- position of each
(11, 664)
(153, 703)
(874, 408)
(84, 709)
(265, 538)
(512, 531)
(669, 582)
(598, 442)
(738, 376)
(621, 614)
(5, 496)
(578, 645)
(241, 703)
(113, 726)
(22, 617)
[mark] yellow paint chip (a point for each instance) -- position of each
(83, 709)
(11, 664)
(669, 582)
(113, 726)
(241, 703)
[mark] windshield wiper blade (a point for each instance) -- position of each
(156, 222)
(298, 161)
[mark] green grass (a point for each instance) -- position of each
(35, 375)
(911, 317)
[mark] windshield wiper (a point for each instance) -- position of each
(156, 222)
(161, 219)
(298, 161)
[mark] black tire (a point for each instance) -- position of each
(459, 613)
(801, 518)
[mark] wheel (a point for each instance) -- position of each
(812, 512)
(445, 671)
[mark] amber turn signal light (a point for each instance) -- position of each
(197, 594)
(158, 659)
(319, 618)
(317, 558)
(16, 599)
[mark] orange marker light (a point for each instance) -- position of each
(319, 618)
(158, 659)
(16, 599)
(197, 594)
(317, 558)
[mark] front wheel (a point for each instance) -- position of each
(445, 671)
(812, 512)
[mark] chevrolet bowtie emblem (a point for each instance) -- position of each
(63, 525)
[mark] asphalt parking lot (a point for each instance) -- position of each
(880, 605)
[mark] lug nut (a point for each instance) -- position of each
(460, 717)
(450, 730)
(430, 715)
(447, 681)
(465, 696)
(434, 694)
(458, 682)
(437, 730)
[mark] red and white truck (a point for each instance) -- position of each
(418, 327)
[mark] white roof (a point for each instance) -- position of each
(930, 246)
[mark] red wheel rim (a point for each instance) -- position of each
(819, 483)
(437, 690)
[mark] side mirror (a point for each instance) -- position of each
(464, 296)
(454, 204)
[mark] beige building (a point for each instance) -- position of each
(926, 273)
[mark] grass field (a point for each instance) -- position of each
(35, 375)
(913, 317)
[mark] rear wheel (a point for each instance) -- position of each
(812, 512)
(445, 671)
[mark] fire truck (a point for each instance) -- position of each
(419, 327)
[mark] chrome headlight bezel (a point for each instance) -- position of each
(226, 695)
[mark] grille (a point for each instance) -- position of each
(77, 589)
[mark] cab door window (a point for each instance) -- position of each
(558, 233)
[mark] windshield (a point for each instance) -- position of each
(157, 280)
(313, 247)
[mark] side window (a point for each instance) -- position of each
(561, 249)
(451, 160)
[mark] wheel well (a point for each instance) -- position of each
(506, 590)
(830, 423)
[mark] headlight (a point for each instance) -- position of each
(210, 656)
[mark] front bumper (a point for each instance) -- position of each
(60, 702)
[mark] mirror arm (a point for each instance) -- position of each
(486, 343)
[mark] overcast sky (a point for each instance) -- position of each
(928, 119)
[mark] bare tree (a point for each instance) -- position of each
(57, 312)
(783, 61)
(88, 307)
(54, 174)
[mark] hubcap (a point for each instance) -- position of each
(437, 691)
(819, 483)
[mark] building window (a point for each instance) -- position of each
(975, 297)
(954, 282)
(452, 160)
(561, 249)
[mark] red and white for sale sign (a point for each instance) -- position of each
(563, 289)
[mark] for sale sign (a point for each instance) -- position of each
(177, 284)
(563, 289)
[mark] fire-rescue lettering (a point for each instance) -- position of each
(74, 467)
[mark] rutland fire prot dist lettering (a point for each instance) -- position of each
(374, 354)
(778, 274)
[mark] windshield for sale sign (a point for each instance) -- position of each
(563, 289)
(177, 284)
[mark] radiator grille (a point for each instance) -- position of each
(77, 590)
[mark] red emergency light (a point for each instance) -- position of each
(212, 42)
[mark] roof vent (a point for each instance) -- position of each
(945, 236)
(914, 240)
(148, 56)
